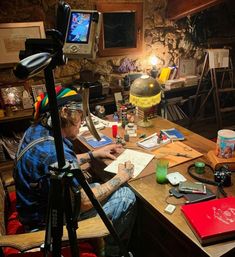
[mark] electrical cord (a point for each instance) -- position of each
(174, 203)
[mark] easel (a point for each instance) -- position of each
(216, 60)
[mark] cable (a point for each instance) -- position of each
(178, 203)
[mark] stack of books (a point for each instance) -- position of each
(174, 83)
(167, 73)
(190, 80)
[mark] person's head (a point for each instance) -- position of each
(70, 111)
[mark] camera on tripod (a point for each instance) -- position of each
(76, 36)
(223, 176)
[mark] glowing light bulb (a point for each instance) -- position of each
(153, 60)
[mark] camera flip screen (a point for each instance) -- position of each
(79, 28)
(82, 34)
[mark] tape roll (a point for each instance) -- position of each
(199, 167)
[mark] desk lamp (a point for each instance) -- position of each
(145, 92)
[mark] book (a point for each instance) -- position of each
(164, 75)
(152, 142)
(195, 198)
(105, 140)
(173, 134)
(211, 221)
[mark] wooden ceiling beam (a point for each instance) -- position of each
(177, 9)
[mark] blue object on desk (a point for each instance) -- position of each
(95, 143)
(173, 134)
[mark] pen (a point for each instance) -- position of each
(176, 154)
(154, 134)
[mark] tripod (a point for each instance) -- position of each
(61, 174)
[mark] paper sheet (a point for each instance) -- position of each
(139, 159)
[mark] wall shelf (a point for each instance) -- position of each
(18, 115)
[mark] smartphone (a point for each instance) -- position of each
(174, 191)
(192, 187)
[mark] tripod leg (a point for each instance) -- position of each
(54, 228)
(71, 223)
(82, 180)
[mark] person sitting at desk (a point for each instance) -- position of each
(32, 170)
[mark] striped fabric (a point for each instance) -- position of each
(63, 96)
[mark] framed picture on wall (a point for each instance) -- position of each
(37, 90)
(12, 96)
(187, 67)
(12, 39)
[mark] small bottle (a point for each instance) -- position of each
(115, 117)
(126, 137)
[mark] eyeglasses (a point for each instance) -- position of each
(74, 106)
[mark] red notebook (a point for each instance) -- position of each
(211, 221)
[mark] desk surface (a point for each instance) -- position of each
(153, 196)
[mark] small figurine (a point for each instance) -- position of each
(120, 140)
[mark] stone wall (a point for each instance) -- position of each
(165, 39)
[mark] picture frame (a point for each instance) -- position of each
(187, 67)
(218, 58)
(12, 96)
(12, 39)
(37, 90)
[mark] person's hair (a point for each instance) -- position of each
(69, 117)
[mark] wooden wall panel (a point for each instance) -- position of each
(177, 9)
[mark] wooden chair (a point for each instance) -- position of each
(89, 229)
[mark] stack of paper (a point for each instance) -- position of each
(139, 159)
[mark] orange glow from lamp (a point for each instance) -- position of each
(145, 92)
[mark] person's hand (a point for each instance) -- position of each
(125, 171)
(108, 151)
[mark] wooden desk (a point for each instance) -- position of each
(161, 234)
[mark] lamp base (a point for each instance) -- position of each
(144, 123)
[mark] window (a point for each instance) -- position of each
(122, 28)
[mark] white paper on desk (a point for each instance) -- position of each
(139, 159)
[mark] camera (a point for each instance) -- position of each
(223, 176)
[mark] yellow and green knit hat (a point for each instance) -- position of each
(63, 96)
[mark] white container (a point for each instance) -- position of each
(225, 143)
